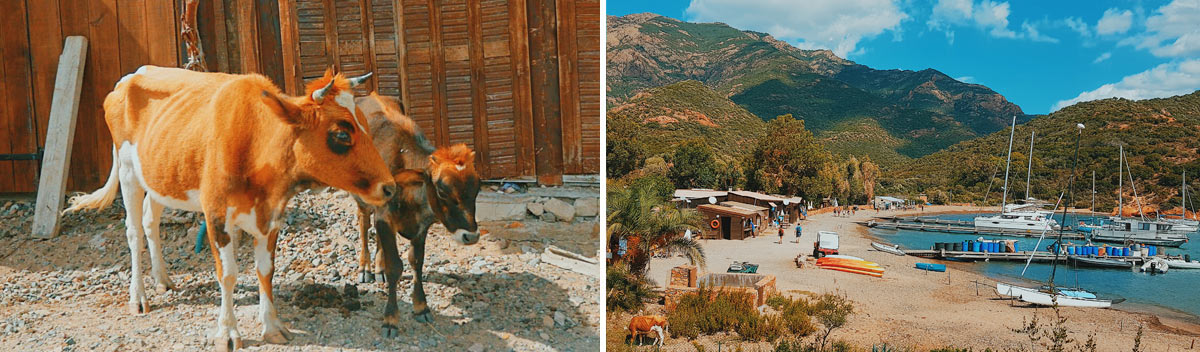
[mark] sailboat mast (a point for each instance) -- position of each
(1121, 183)
(1070, 198)
(1093, 196)
(1008, 163)
(1029, 166)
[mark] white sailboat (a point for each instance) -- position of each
(1125, 230)
(1050, 295)
(1016, 216)
(1183, 224)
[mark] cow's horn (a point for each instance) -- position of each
(319, 94)
(355, 81)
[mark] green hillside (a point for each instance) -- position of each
(662, 117)
(1161, 139)
(926, 110)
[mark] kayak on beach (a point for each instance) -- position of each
(932, 267)
(856, 266)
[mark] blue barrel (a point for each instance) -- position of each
(1016, 247)
(975, 246)
(1125, 251)
(966, 247)
(1071, 250)
(1114, 251)
(1153, 251)
(993, 246)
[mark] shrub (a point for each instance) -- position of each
(626, 292)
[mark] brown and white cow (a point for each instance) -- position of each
(648, 325)
(434, 186)
(235, 148)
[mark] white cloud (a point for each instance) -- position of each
(1164, 80)
(838, 25)
(1105, 56)
(986, 15)
(1032, 33)
(1173, 31)
(1114, 22)
(1077, 25)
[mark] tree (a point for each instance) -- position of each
(625, 153)
(642, 216)
(790, 160)
(870, 174)
(693, 166)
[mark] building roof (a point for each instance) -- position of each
(728, 211)
(698, 193)
(891, 199)
(744, 206)
(758, 196)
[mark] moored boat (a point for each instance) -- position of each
(893, 249)
(1100, 262)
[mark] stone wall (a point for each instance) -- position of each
(558, 204)
(683, 280)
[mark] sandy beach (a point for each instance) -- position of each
(917, 309)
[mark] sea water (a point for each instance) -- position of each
(1173, 293)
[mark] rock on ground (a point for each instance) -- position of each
(71, 292)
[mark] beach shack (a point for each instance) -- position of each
(792, 208)
(692, 198)
(886, 203)
(763, 212)
(773, 203)
(730, 223)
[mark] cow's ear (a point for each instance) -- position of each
(283, 109)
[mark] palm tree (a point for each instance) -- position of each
(650, 225)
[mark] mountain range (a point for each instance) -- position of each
(919, 112)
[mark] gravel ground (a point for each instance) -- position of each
(70, 292)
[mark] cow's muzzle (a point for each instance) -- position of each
(466, 237)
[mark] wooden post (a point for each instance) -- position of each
(191, 38)
(59, 136)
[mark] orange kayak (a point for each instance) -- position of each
(855, 271)
(862, 263)
(852, 267)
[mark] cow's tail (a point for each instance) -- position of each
(102, 197)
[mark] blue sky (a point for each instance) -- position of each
(1041, 55)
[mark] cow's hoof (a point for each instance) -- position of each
(278, 337)
(139, 307)
(224, 344)
(366, 277)
(164, 286)
(390, 331)
(423, 316)
(382, 278)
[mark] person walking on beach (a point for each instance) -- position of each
(798, 232)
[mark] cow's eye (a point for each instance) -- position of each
(342, 137)
(338, 141)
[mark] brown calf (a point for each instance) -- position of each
(435, 186)
(235, 148)
(648, 325)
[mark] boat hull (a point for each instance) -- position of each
(1037, 297)
(889, 249)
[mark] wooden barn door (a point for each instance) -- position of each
(497, 75)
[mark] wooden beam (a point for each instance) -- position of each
(61, 133)
(547, 111)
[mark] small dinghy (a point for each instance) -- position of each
(1155, 266)
(893, 249)
(1100, 263)
(1181, 264)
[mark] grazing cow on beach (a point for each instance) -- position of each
(237, 149)
(434, 186)
(649, 325)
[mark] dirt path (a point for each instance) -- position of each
(918, 309)
(69, 293)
